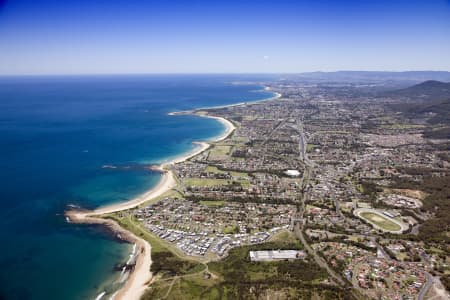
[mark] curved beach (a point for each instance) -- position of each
(167, 181)
(139, 279)
(141, 276)
(229, 127)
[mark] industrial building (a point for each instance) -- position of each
(271, 255)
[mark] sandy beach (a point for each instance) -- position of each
(229, 128)
(167, 181)
(276, 96)
(138, 281)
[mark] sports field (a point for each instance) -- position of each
(381, 221)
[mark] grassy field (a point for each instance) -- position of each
(381, 221)
(213, 169)
(206, 181)
(334, 132)
(402, 126)
(213, 203)
(231, 229)
(221, 150)
(283, 236)
(214, 182)
(310, 147)
(171, 193)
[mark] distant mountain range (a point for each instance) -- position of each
(432, 102)
(430, 89)
(374, 76)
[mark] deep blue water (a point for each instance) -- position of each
(56, 133)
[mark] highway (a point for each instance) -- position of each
(309, 165)
(426, 287)
(319, 260)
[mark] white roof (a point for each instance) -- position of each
(275, 254)
(292, 172)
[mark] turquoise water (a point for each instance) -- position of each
(56, 134)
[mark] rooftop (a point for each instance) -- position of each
(269, 255)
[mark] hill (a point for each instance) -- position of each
(427, 90)
(430, 101)
(407, 77)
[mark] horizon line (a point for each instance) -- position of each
(213, 73)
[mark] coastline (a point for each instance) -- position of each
(274, 97)
(187, 112)
(140, 277)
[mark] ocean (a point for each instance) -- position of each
(59, 137)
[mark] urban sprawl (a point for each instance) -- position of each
(330, 167)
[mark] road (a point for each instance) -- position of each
(309, 165)
(297, 227)
(426, 287)
(319, 260)
(281, 124)
(428, 283)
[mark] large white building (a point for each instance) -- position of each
(270, 255)
(292, 173)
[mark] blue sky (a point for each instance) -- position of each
(87, 36)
